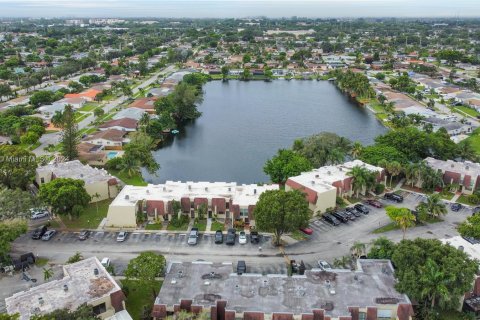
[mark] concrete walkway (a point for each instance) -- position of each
(209, 225)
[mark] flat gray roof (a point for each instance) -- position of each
(205, 283)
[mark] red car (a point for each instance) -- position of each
(307, 231)
(374, 203)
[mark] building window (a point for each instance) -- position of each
(227, 205)
(362, 316)
(243, 212)
(42, 180)
(99, 309)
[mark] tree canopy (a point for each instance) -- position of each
(280, 211)
(146, 267)
(470, 227)
(323, 148)
(285, 164)
(70, 137)
(9, 231)
(15, 203)
(17, 167)
(64, 194)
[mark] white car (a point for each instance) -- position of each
(38, 213)
(48, 235)
(121, 236)
(242, 237)
(324, 265)
(105, 262)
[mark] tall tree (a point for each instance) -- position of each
(285, 164)
(434, 205)
(15, 203)
(280, 211)
(70, 137)
(323, 148)
(9, 231)
(146, 267)
(64, 195)
(17, 167)
(402, 217)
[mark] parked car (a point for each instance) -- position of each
(340, 216)
(105, 262)
(39, 213)
(360, 207)
(393, 197)
(307, 231)
(39, 232)
(254, 237)
(241, 267)
(193, 236)
(353, 211)
(231, 235)
(48, 235)
(242, 237)
(330, 219)
(324, 265)
(456, 207)
(218, 236)
(83, 235)
(374, 203)
(348, 214)
(122, 236)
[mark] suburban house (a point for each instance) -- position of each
(146, 104)
(132, 113)
(124, 124)
(223, 200)
(323, 185)
(465, 174)
(453, 127)
(89, 94)
(85, 281)
(92, 154)
(340, 294)
(97, 181)
(110, 139)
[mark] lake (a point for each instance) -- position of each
(244, 123)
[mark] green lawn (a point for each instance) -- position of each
(182, 227)
(474, 140)
(31, 147)
(80, 116)
(140, 295)
(201, 225)
(41, 262)
(389, 227)
(446, 195)
(89, 106)
(464, 199)
(217, 226)
(89, 219)
(298, 235)
(154, 226)
(136, 180)
(470, 111)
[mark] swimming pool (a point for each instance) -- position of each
(112, 154)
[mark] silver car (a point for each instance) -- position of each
(48, 235)
(193, 237)
(121, 236)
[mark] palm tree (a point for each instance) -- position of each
(402, 217)
(433, 281)
(359, 175)
(434, 205)
(389, 107)
(96, 196)
(144, 121)
(47, 273)
(358, 249)
(382, 99)
(394, 168)
(466, 150)
(129, 166)
(356, 150)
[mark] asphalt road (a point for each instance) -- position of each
(326, 243)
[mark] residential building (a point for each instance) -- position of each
(85, 281)
(223, 200)
(97, 181)
(110, 139)
(146, 104)
(132, 113)
(92, 154)
(465, 174)
(123, 124)
(323, 185)
(453, 127)
(89, 94)
(366, 293)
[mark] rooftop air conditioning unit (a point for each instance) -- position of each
(127, 197)
(95, 271)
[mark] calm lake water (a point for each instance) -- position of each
(245, 123)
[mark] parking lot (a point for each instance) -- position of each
(326, 243)
(329, 242)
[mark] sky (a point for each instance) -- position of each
(239, 8)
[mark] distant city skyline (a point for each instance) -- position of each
(239, 9)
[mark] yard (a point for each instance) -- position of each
(154, 226)
(217, 226)
(139, 296)
(474, 140)
(135, 180)
(89, 218)
(464, 199)
(201, 225)
(89, 106)
(393, 226)
(180, 224)
(466, 110)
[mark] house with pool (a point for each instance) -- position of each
(223, 200)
